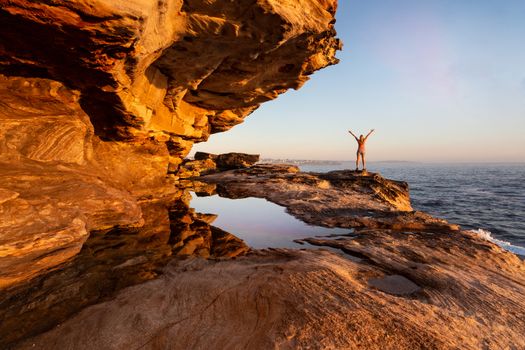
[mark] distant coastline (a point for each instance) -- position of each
(300, 161)
(323, 162)
(430, 162)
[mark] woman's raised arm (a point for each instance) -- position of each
(355, 137)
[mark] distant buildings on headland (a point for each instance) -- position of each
(300, 161)
(322, 162)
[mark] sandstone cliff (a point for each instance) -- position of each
(168, 70)
(100, 99)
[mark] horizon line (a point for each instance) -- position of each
(399, 161)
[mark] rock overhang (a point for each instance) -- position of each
(169, 69)
(101, 99)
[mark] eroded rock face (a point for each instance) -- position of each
(59, 181)
(100, 99)
(229, 161)
(179, 68)
(403, 287)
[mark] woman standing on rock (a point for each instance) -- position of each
(361, 148)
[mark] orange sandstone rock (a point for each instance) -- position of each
(100, 99)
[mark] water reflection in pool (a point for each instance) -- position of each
(261, 224)
(120, 257)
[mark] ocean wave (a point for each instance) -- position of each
(487, 235)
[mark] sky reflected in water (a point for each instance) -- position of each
(261, 224)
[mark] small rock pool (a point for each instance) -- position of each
(260, 223)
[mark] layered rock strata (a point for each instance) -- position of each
(422, 284)
(169, 69)
(100, 99)
(228, 161)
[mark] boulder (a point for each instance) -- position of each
(204, 156)
(194, 168)
(229, 161)
(207, 163)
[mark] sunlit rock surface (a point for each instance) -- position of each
(100, 100)
(227, 161)
(413, 282)
(208, 163)
(387, 298)
(169, 69)
(333, 199)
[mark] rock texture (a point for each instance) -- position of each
(208, 163)
(399, 280)
(59, 181)
(100, 99)
(103, 264)
(229, 161)
(48, 215)
(333, 199)
(169, 69)
(317, 300)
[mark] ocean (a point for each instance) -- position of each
(484, 197)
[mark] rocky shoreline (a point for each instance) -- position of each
(333, 199)
(100, 104)
(402, 280)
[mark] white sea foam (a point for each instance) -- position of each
(503, 244)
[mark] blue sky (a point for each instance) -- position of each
(439, 80)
